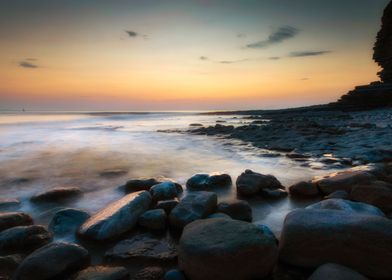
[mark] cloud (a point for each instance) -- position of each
(308, 53)
(274, 58)
(26, 64)
(233, 61)
(203, 58)
(282, 34)
(134, 34)
(241, 35)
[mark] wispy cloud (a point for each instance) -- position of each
(282, 34)
(27, 64)
(205, 58)
(274, 58)
(308, 53)
(134, 34)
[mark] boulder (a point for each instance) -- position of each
(218, 215)
(377, 193)
(142, 184)
(57, 194)
(174, 274)
(143, 247)
(53, 261)
(153, 219)
(226, 249)
(304, 189)
(196, 205)
(251, 183)
(236, 209)
(348, 206)
(338, 194)
(23, 239)
(167, 205)
(117, 218)
(66, 222)
(274, 194)
(102, 273)
(13, 219)
(311, 238)
(164, 191)
(8, 265)
(149, 273)
(200, 182)
(334, 271)
(9, 204)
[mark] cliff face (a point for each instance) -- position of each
(383, 46)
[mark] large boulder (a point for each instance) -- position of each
(53, 261)
(153, 219)
(165, 191)
(304, 189)
(311, 238)
(117, 218)
(23, 239)
(196, 205)
(236, 209)
(338, 194)
(65, 223)
(8, 265)
(251, 183)
(199, 182)
(332, 271)
(377, 193)
(348, 206)
(226, 249)
(102, 273)
(57, 194)
(13, 219)
(142, 184)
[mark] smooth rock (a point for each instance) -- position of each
(9, 203)
(149, 273)
(251, 183)
(13, 219)
(8, 265)
(377, 193)
(103, 273)
(117, 218)
(174, 274)
(226, 249)
(236, 209)
(194, 206)
(57, 194)
(167, 205)
(332, 271)
(274, 194)
(66, 222)
(164, 191)
(23, 239)
(200, 182)
(218, 215)
(311, 238)
(304, 189)
(143, 184)
(153, 219)
(53, 261)
(338, 194)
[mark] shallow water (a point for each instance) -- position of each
(40, 151)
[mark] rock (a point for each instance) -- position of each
(226, 249)
(218, 215)
(342, 180)
(236, 209)
(338, 194)
(304, 189)
(376, 193)
(196, 205)
(117, 218)
(153, 219)
(143, 247)
(167, 205)
(144, 184)
(251, 183)
(274, 194)
(149, 273)
(8, 265)
(164, 191)
(195, 124)
(348, 206)
(57, 194)
(13, 219)
(200, 182)
(102, 273)
(311, 238)
(23, 239)
(334, 271)
(113, 173)
(66, 222)
(174, 274)
(53, 261)
(267, 232)
(9, 204)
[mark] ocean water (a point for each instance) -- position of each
(43, 150)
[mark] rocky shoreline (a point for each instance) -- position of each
(160, 230)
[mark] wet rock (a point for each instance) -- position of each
(218, 215)
(102, 273)
(251, 183)
(236, 209)
(57, 194)
(200, 182)
(13, 219)
(206, 250)
(376, 193)
(53, 261)
(143, 247)
(304, 189)
(144, 184)
(164, 191)
(348, 206)
(167, 205)
(66, 222)
(9, 204)
(8, 265)
(149, 273)
(153, 219)
(311, 238)
(274, 194)
(23, 239)
(196, 205)
(117, 218)
(334, 271)
(338, 194)
(174, 274)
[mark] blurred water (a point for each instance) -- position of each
(40, 151)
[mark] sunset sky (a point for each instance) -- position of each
(183, 55)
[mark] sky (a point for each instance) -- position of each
(183, 55)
